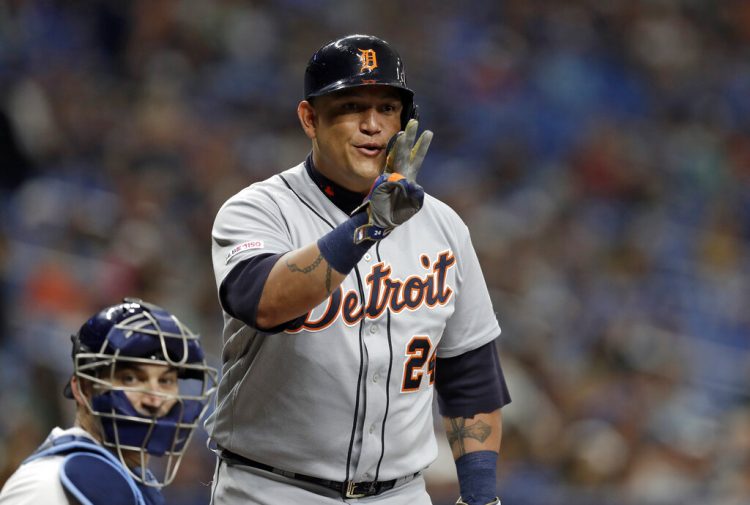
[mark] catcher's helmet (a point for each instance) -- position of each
(358, 60)
(132, 334)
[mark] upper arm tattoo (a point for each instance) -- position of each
(459, 431)
(293, 267)
(305, 270)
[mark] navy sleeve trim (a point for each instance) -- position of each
(241, 289)
(471, 383)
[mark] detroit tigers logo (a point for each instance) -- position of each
(368, 60)
(386, 293)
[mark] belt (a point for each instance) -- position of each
(347, 489)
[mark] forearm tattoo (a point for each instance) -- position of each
(309, 268)
(458, 432)
(328, 279)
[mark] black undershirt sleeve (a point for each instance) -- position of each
(241, 290)
(471, 383)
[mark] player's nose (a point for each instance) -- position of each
(151, 403)
(371, 121)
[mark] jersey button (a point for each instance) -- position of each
(368, 257)
(372, 429)
(375, 378)
(374, 328)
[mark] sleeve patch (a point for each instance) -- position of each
(251, 244)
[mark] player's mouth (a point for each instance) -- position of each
(370, 149)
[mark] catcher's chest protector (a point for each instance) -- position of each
(93, 475)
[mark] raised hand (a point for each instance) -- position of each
(395, 196)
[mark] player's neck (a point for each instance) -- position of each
(341, 197)
(133, 459)
(89, 424)
(92, 426)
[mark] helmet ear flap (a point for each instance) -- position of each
(76, 348)
(411, 111)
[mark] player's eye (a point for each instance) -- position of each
(168, 380)
(350, 107)
(391, 108)
(128, 378)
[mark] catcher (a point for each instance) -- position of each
(141, 384)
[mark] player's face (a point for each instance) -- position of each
(350, 132)
(157, 387)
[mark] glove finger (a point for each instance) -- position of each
(400, 153)
(410, 132)
(417, 155)
(404, 145)
(390, 150)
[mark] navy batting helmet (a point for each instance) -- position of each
(358, 60)
(131, 334)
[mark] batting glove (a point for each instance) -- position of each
(395, 196)
(496, 501)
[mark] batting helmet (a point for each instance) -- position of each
(137, 333)
(358, 60)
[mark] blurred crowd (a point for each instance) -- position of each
(599, 151)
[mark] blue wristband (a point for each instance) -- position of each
(338, 247)
(477, 476)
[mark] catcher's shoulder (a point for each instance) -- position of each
(37, 481)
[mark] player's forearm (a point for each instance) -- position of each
(298, 282)
(475, 443)
(483, 432)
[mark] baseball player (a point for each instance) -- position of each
(349, 296)
(140, 383)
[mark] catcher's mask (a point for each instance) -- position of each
(132, 335)
(354, 61)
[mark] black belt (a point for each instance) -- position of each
(348, 489)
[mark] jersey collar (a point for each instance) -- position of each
(341, 197)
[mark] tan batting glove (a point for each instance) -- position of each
(395, 196)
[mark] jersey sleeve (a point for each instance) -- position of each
(473, 323)
(471, 383)
(34, 483)
(248, 224)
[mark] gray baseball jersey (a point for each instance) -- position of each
(348, 394)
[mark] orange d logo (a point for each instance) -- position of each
(368, 59)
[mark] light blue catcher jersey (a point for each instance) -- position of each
(70, 463)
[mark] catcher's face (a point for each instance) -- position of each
(350, 130)
(151, 389)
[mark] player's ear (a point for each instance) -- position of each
(79, 389)
(307, 118)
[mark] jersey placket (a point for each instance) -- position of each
(377, 355)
